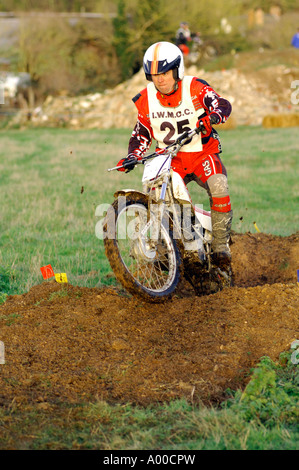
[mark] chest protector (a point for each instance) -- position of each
(168, 123)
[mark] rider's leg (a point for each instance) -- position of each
(212, 173)
(221, 215)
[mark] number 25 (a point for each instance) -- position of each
(181, 125)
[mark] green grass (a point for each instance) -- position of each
(255, 59)
(52, 181)
(263, 172)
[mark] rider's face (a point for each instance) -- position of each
(164, 82)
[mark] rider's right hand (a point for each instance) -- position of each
(127, 164)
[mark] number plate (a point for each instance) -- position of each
(155, 167)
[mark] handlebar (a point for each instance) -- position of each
(180, 141)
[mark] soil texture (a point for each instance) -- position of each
(72, 344)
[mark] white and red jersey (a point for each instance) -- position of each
(165, 117)
(167, 123)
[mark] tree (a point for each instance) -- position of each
(121, 41)
(135, 29)
(59, 56)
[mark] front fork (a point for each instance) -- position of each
(158, 207)
(155, 222)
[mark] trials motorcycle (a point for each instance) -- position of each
(157, 237)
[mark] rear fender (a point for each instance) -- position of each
(204, 217)
(182, 195)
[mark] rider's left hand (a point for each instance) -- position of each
(204, 124)
(215, 118)
(207, 121)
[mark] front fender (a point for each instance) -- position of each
(127, 192)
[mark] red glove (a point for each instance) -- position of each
(120, 163)
(205, 122)
(127, 163)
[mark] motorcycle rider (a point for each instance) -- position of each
(171, 104)
(183, 37)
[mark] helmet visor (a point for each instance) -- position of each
(154, 67)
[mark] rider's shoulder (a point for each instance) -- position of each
(140, 96)
(199, 82)
(141, 102)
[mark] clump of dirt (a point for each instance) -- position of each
(68, 343)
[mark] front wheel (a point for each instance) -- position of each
(146, 265)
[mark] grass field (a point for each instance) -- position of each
(53, 180)
(51, 183)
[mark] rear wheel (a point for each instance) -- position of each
(146, 265)
(207, 281)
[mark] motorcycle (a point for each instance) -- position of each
(157, 237)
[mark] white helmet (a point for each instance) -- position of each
(161, 57)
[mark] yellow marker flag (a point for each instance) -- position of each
(256, 227)
(61, 277)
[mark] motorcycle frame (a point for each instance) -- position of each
(167, 189)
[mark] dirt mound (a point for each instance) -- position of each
(254, 94)
(67, 343)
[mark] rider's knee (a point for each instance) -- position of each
(218, 186)
(219, 193)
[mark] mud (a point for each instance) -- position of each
(73, 344)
